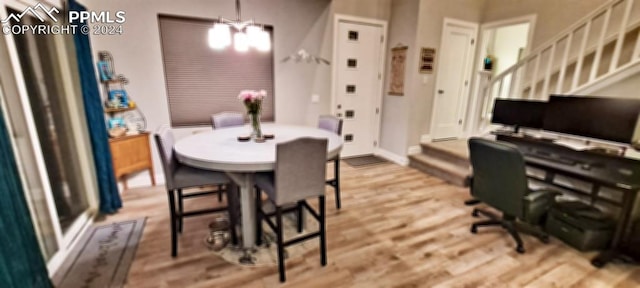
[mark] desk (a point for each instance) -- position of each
(220, 150)
(601, 170)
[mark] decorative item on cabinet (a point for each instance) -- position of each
(129, 141)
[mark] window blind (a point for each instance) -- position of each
(202, 81)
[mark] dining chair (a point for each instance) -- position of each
(299, 174)
(227, 119)
(178, 177)
(333, 124)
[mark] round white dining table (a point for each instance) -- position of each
(220, 150)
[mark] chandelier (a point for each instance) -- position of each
(246, 34)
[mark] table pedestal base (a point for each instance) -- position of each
(245, 181)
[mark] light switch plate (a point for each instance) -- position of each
(315, 98)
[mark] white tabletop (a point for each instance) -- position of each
(220, 149)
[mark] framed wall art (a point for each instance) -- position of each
(427, 60)
(398, 60)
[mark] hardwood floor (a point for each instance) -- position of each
(397, 228)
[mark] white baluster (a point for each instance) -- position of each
(565, 61)
(600, 47)
(619, 42)
(534, 79)
(583, 46)
(547, 74)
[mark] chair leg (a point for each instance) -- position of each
(180, 211)
(336, 174)
(174, 236)
(491, 222)
(280, 241)
(514, 234)
(323, 236)
(300, 217)
(258, 217)
(488, 223)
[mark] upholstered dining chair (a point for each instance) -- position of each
(227, 119)
(333, 124)
(500, 181)
(179, 177)
(299, 174)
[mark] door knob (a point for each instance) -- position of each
(339, 106)
(440, 91)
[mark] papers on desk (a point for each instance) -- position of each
(575, 145)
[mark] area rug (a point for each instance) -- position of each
(267, 253)
(364, 160)
(103, 256)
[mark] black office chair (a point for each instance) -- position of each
(500, 181)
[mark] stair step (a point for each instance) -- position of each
(449, 151)
(443, 169)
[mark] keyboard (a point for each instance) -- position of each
(552, 158)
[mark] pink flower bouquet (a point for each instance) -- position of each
(252, 100)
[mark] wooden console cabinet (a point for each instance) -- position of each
(131, 154)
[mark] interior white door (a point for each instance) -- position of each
(453, 79)
(357, 86)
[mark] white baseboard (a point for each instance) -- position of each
(400, 160)
(426, 138)
(414, 150)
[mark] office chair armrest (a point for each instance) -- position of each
(536, 205)
(534, 195)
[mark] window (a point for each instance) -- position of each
(202, 81)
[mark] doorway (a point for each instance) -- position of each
(453, 79)
(358, 59)
(507, 41)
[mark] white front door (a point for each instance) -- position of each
(453, 78)
(357, 84)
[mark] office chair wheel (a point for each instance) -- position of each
(474, 229)
(520, 249)
(475, 213)
(597, 263)
(544, 239)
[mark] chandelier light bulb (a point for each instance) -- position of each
(253, 34)
(241, 42)
(219, 36)
(263, 43)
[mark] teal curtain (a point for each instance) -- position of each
(110, 200)
(21, 261)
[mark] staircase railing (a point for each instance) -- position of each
(601, 44)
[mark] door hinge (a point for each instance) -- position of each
(473, 41)
(381, 38)
(460, 122)
(379, 76)
(466, 82)
(377, 110)
(375, 143)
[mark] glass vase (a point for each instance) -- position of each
(256, 132)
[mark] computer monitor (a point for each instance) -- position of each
(612, 119)
(518, 113)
